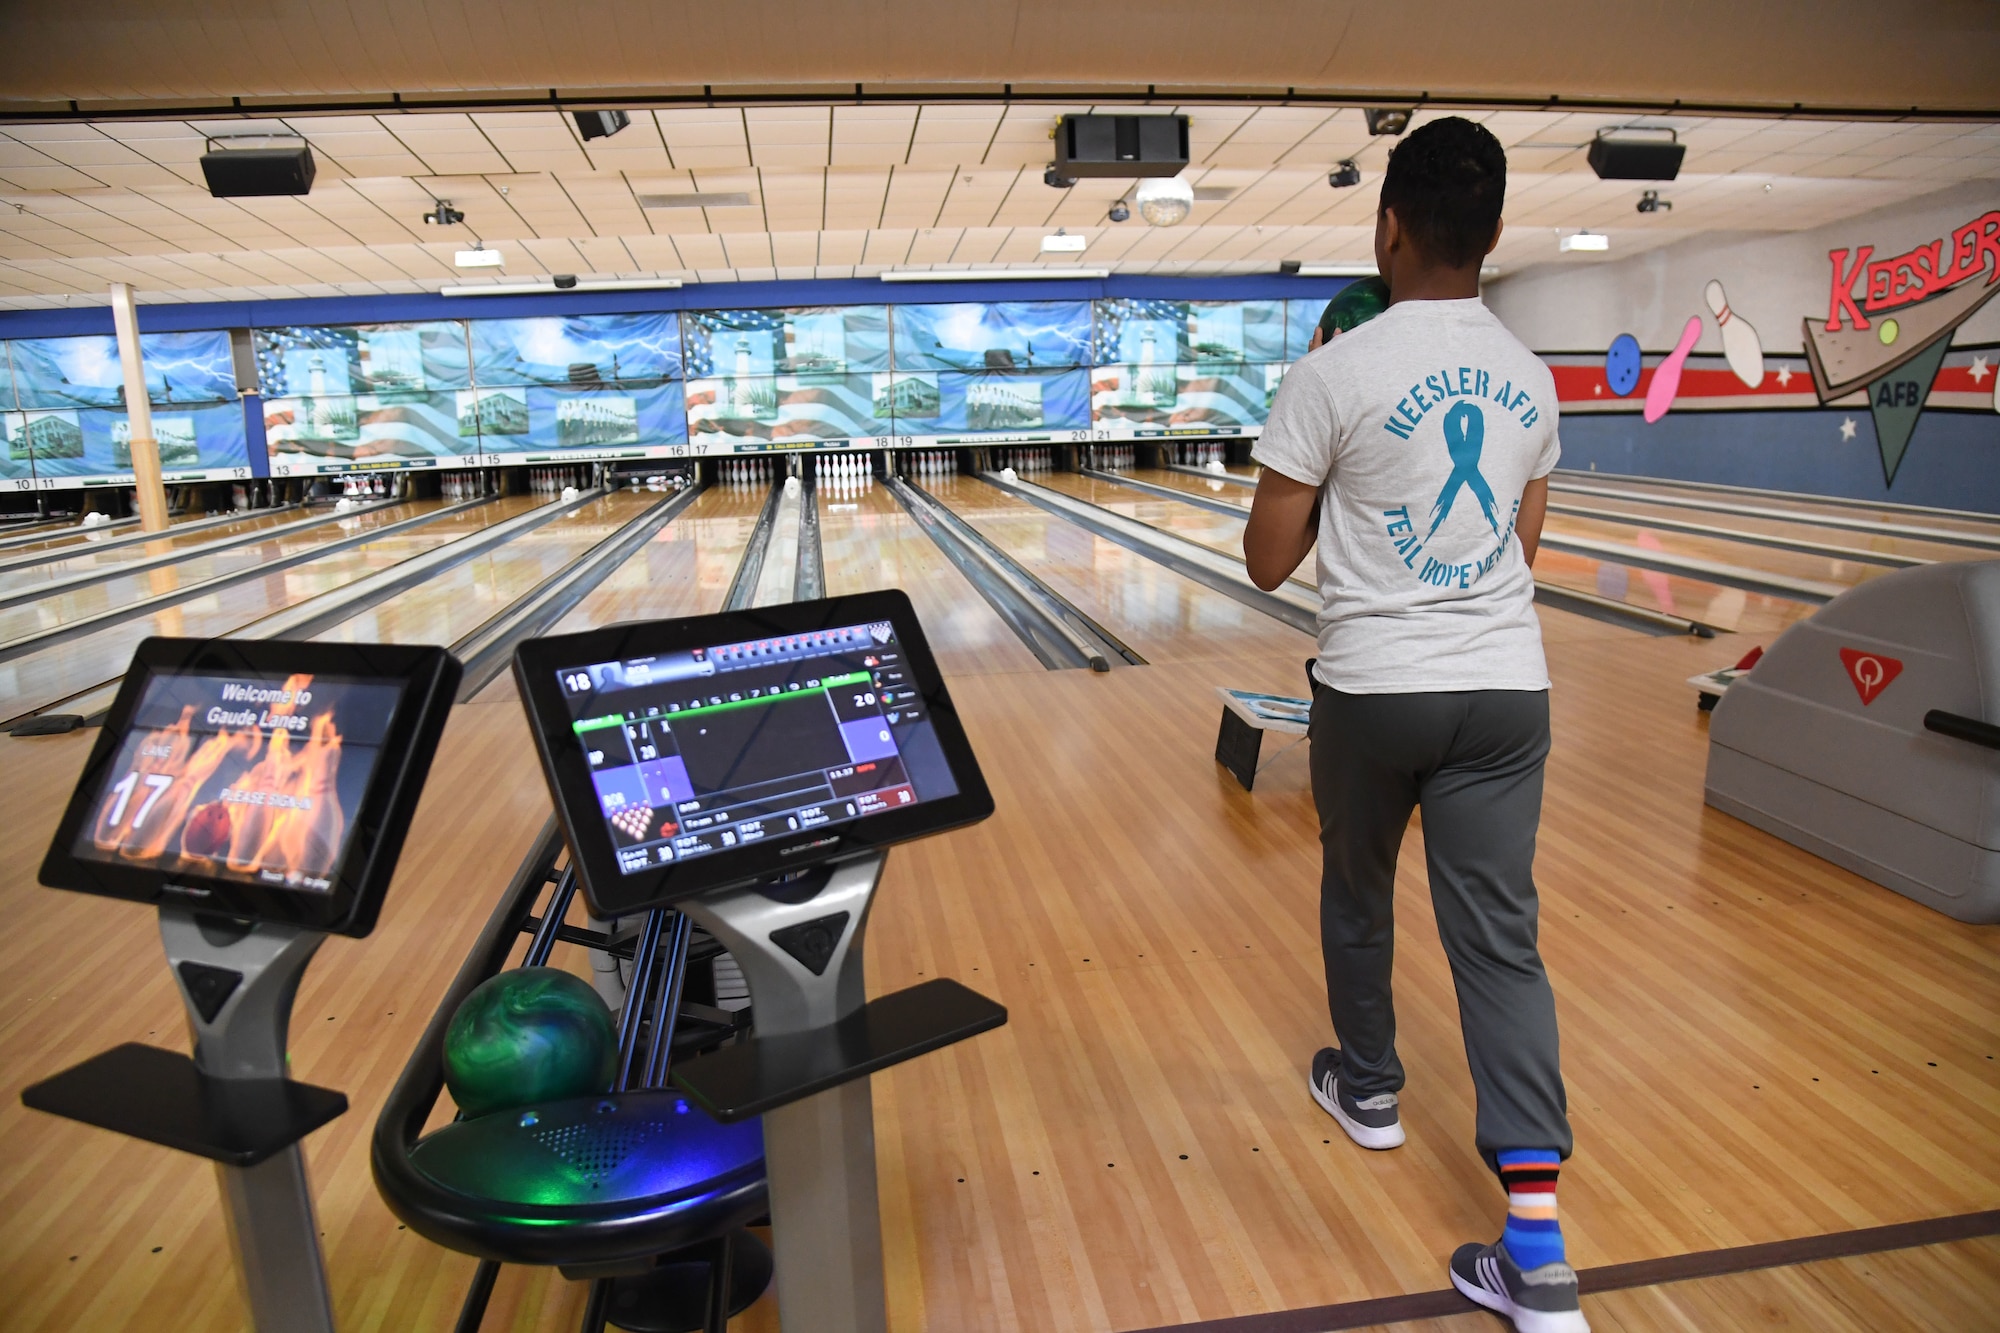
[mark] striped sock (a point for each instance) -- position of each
(1533, 1236)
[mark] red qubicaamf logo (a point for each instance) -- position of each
(1870, 672)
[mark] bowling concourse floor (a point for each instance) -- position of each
(1761, 1049)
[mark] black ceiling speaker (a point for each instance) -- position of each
(1616, 157)
(600, 124)
(1121, 146)
(241, 173)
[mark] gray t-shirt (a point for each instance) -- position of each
(1421, 428)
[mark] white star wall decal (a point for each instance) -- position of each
(1847, 429)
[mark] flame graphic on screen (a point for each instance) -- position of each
(300, 839)
(281, 816)
(171, 752)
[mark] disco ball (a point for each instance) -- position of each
(1164, 201)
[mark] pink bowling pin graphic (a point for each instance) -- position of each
(1667, 376)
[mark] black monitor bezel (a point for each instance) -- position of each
(429, 677)
(612, 893)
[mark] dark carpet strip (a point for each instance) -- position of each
(1613, 1277)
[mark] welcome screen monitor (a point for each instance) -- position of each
(253, 779)
(689, 754)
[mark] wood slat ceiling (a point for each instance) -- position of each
(843, 191)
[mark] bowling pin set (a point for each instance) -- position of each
(1025, 460)
(843, 471)
(929, 463)
(362, 488)
(458, 486)
(556, 480)
(1199, 455)
(745, 471)
(1108, 457)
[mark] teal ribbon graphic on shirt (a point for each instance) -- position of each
(1464, 437)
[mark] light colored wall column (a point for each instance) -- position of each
(139, 413)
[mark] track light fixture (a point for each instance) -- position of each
(442, 214)
(1344, 176)
(1120, 211)
(1056, 180)
(1387, 119)
(1650, 202)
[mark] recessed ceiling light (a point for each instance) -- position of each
(1583, 240)
(989, 274)
(712, 199)
(556, 285)
(480, 258)
(1062, 243)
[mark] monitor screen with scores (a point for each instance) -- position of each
(703, 751)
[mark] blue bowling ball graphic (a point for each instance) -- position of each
(1621, 364)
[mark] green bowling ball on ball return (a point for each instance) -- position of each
(535, 1034)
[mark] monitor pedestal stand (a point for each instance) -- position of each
(231, 1103)
(799, 945)
(238, 1036)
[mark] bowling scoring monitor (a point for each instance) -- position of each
(689, 754)
(267, 780)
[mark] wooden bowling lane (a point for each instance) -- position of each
(1162, 615)
(868, 542)
(1725, 608)
(1802, 529)
(61, 608)
(64, 669)
(1594, 488)
(1219, 532)
(57, 534)
(1754, 560)
(456, 601)
(1206, 488)
(685, 570)
(84, 559)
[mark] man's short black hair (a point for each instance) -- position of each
(1447, 181)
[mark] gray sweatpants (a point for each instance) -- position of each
(1473, 761)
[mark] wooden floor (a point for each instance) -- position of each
(1758, 1046)
(1939, 1288)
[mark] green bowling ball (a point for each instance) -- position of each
(1357, 303)
(534, 1034)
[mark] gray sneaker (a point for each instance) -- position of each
(1541, 1300)
(1370, 1122)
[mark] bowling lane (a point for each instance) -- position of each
(1219, 532)
(1165, 617)
(685, 570)
(1626, 524)
(63, 669)
(1638, 512)
(1724, 608)
(1674, 594)
(69, 532)
(868, 542)
(1592, 488)
(85, 559)
(62, 608)
(450, 605)
(1761, 559)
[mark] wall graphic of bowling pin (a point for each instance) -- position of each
(1740, 344)
(1667, 375)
